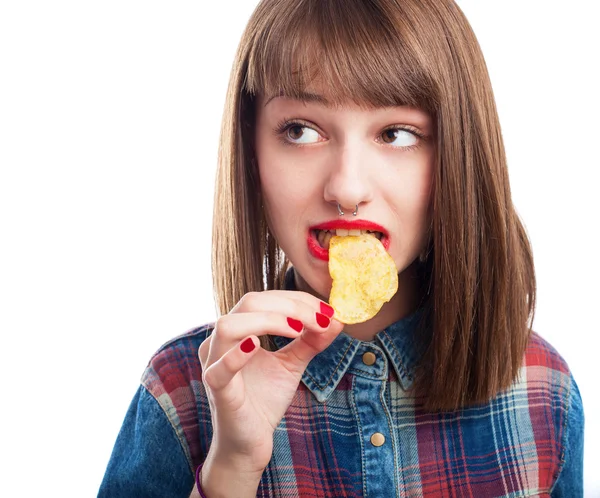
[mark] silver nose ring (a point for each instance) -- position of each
(341, 213)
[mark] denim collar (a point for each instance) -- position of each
(394, 344)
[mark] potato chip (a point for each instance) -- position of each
(364, 277)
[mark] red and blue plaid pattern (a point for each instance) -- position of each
(511, 446)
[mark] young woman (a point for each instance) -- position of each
(370, 115)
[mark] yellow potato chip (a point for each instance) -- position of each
(364, 277)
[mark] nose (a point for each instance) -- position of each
(348, 183)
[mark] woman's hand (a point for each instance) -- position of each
(249, 389)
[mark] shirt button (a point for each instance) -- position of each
(369, 358)
(377, 439)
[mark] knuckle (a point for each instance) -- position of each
(222, 327)
(249, 300)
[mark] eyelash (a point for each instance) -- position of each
(283, 126)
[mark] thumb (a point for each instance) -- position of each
(303, 349)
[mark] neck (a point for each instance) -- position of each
(404, 302)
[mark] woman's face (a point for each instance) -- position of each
(312, 156)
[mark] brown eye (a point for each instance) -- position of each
(301, 134)
(398, 137)
(390, 135)
(296, 132)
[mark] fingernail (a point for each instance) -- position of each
(247, 346)
(295, 324)
(322, 320)
(327, 310)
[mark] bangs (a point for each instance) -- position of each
(351, 50)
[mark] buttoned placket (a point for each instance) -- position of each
(370, 368)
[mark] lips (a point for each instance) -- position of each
(320, 252)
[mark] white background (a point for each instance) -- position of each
(109, 119)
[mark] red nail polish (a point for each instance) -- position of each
(247, 346)
(322, 320)
(327, 310)
(295, 324)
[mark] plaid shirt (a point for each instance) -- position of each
(353, 431)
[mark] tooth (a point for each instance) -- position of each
(340, 232)
(354, 232)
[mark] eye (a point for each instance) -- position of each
(300, 134)
(399, 137)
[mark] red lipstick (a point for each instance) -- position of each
(321, 253)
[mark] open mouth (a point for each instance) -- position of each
(319, 236)
(323, 237)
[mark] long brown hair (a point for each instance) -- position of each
(478, 278)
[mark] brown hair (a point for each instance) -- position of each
(478, 278)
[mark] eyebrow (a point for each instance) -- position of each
(305, 97)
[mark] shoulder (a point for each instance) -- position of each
(547, 376)
(541, 355)
(173, 377)
(176, 364)
(552, 396)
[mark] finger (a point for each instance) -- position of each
(221, 372)
(301, 351)
(312, 312)
(284, 301)
(232, 328)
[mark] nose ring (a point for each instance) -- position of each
(341, 213)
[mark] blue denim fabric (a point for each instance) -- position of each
(147, 460)
(570, 480)
(394, 348)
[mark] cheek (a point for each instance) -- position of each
(281, 187)
(287, 180)
(422, 198)
(272, 175)
(287, 195)
(422, 204)
(412, 192)
(411, 200)
(284, 181)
